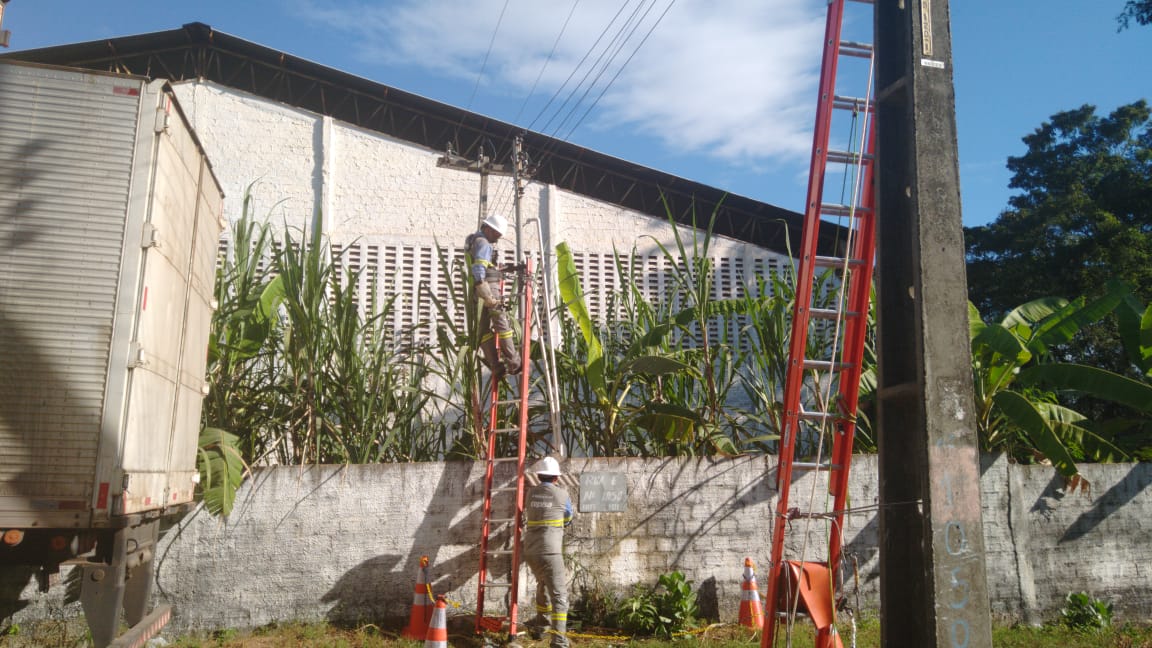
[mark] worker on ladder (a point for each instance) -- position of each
(486, 278)
(548, 510)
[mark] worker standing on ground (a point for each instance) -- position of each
(486, 278)
(547, 511)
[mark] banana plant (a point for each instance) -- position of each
(1133, 431)
(235, 411)
(1016, 381)
(624, 371)
(221, 468)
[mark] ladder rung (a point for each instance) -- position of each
(835, 262)
(807, 415)
(848, 157)
(852, 48)
(508, 402)
(499, 552)
(826, 365)
(811, 465)
(857, 104)
(497, 584)
(501, 520)
(829, 313)
(504, 459)
(503, 489)
(506, 430)
(832, 209)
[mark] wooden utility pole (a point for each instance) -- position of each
(933, 588)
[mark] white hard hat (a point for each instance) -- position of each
(497, 222)
(548, 467)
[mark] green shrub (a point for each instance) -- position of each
(662, 611)
(1084, 613)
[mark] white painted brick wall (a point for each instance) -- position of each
(389, 201)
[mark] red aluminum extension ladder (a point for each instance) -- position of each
(802, 586)
(503, 508)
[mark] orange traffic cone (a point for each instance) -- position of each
(417, 627)
(438, 628)
(751, 613)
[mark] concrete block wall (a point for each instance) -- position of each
(342, 543)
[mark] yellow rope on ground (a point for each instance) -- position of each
(686, 633)
(580, 635)
(432, 597)
(682, 633)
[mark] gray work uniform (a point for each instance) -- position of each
(493, 321)
(548, 510)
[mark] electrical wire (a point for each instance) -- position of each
(623, 35)
(540, 75)
(620, 69)
(484, 64)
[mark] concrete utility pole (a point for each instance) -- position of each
(482, 165)
(933, 589)
(5, 35)
(519, 172)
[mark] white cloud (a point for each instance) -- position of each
(733, 79)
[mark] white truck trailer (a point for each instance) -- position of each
(110, 218)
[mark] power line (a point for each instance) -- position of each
(555, 44)
(622, 36)
(484, 64)
(576, 69)
(621, 69)
(614, 46)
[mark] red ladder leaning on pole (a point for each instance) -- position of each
(801, 586)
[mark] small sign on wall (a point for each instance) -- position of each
(603, 492)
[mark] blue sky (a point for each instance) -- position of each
(724, 97)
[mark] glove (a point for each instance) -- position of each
(485, 295)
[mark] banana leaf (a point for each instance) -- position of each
(221, 469)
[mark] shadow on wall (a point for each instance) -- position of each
(359, 594)
(1121, 493)
(708, 600)
(385, 583)
(862, 550)
(757, 492)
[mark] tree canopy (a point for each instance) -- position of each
(1083, 214)
(1139, 11)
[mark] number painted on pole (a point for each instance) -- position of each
(955, 541)
(957, 626)
(959, 583)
